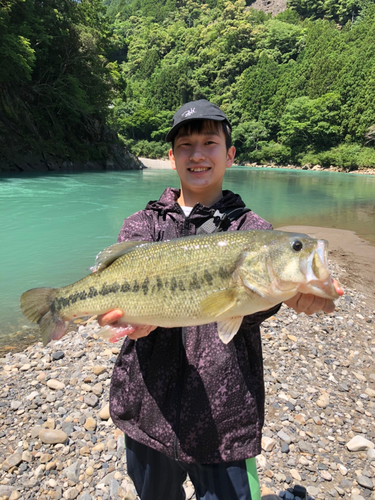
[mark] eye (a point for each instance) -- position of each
(297, 245)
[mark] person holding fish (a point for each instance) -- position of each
(193, 277)
(188, 403)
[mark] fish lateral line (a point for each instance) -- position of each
(160, 283)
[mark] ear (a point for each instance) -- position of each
(172, 159)
(230, 156)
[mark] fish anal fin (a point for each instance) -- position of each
(228, 328)
(107, 256)
(52, 327)
(218, 302)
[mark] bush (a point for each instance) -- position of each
(147, 149)
(348, 156)
(344, 156)
(366, 158)
(271, 152)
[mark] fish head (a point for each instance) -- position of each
(315, 269)
(286, 264)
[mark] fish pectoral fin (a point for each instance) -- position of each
(115, 333)
(107, 256)
(227, 329)
(219, 302)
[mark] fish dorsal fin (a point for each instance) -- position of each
(112, 253)
(219, 302)
(227, 329)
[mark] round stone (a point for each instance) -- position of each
(58, 355)
(98, 370)
(90, 424)
(52, 436)
(104, 412)
(359, 443)
(55, 384)
(90, 470)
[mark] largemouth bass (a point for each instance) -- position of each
(188, 281)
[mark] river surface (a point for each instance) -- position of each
(52, 226)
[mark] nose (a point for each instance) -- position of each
(196, 153)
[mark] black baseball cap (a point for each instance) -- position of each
(195, 110)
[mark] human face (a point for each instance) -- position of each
(201, 160)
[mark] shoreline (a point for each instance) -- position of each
(163, 164)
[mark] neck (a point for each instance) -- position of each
(191, 199)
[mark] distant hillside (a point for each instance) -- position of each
(273, 7)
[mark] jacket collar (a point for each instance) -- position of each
(168, 202)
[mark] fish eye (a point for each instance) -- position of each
(297, 245)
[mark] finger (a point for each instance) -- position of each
(338, 288)
(329, 306)
(318, 304)
(110, 317)
(305, 303)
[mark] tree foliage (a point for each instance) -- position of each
(298, 84)
(55, 79)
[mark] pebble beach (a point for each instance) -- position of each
(57, 440)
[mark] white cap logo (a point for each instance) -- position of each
(188, 113)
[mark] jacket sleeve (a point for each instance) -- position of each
(137, 227)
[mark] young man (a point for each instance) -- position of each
(187, 403)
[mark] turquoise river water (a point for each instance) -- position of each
(52, 226)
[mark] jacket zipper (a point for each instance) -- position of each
(186, 232)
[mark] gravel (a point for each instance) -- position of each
(57, 439)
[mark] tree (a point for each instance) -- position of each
(55, 79)
(311, 122)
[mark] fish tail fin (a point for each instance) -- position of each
(35, 303)
(36, 306)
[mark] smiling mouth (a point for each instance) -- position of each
(198, 169)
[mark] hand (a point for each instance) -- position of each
(134, 332)
(310, 304)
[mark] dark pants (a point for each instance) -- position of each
(157, 477)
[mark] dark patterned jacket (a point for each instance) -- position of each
(182, 391)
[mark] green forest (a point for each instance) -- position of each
(299, 87)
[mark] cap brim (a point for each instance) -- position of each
(173, 132)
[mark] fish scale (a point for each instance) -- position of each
(145, 289)
(188, 281)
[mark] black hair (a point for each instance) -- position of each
(201, 126)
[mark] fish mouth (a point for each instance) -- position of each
(318, 279)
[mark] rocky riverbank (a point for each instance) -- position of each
(117, 159)
(57, 440)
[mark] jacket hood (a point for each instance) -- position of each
(168, 202)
